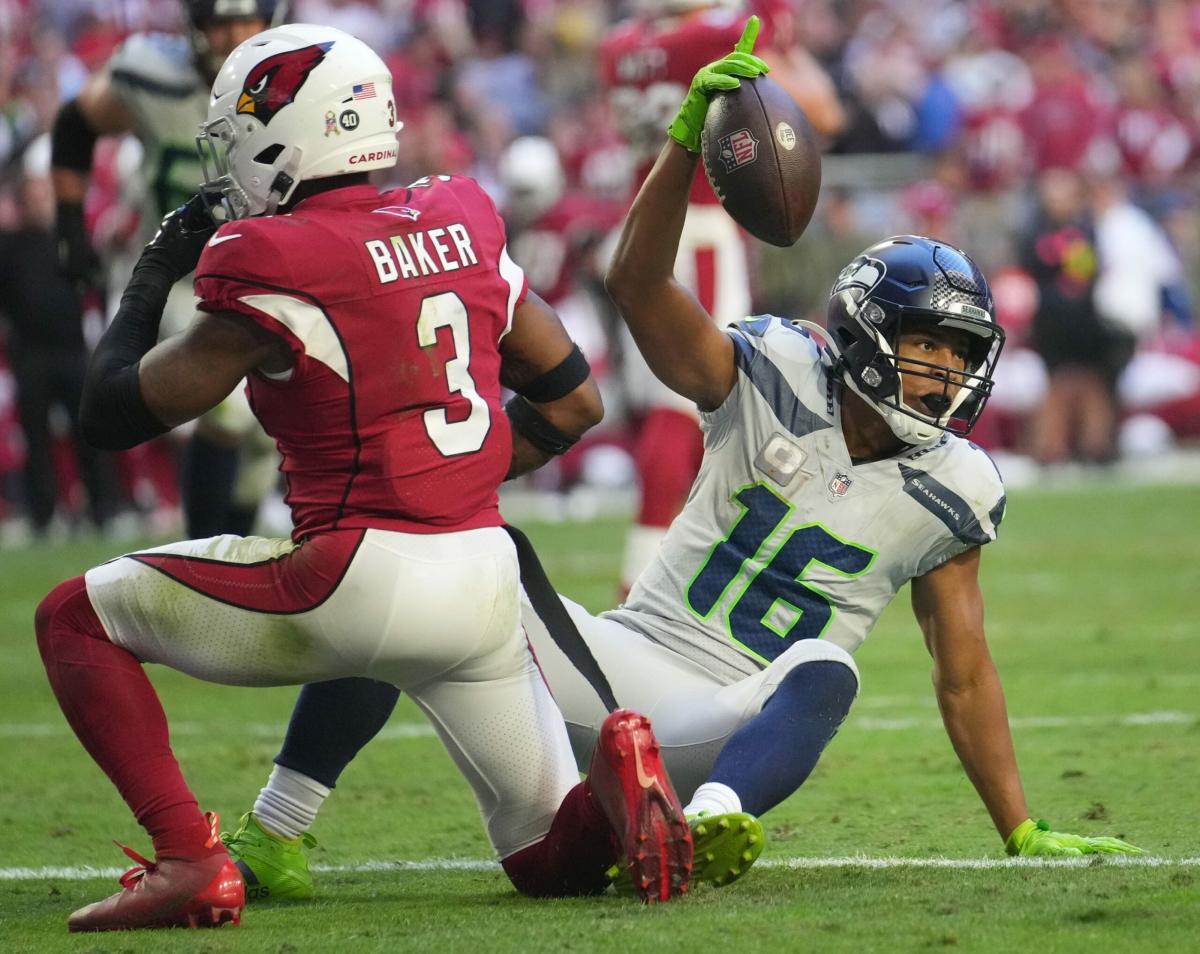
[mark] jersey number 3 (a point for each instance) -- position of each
(452, 438)
(775, 607)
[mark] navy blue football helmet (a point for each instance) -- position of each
(900, 283)
(199, 14)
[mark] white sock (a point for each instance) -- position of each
(713, 798)
(288, 805)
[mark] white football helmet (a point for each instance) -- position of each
(294, 103)
(532, 176)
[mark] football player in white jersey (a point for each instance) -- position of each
(156, 86)
(832, 476)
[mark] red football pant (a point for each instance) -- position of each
(667, 455)
(111, 705)
(573, 857)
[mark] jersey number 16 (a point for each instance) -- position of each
(775, 607)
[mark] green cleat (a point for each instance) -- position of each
(274, 868)
(725, 848)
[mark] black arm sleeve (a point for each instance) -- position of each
(533, 425)
(560, 380)
(112, 413)
(72, 139)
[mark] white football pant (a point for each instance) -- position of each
(434, 614)
(693, 711)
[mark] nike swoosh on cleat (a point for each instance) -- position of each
(218, 239)
(644, 780)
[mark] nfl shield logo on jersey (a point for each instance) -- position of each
(738, 149)
(840, 484)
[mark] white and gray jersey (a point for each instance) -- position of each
(153, 76)
(783, 538)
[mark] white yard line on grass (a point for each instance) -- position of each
(257, 730)
(1164, 717)
(422, 730)
(86, 872)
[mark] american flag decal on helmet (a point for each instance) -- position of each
(364, 90)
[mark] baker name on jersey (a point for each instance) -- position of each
(419, 253)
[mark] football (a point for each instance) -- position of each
(762, 160)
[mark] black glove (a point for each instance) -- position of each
(181, 237)
(76, 256)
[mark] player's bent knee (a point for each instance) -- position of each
(815, 651)
(537, 872)
(65, 615)
(57, 600)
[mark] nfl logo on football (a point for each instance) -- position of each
(840, 484)
(738, 149)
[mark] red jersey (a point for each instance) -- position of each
(648, 65)
(1154, 143)
(394, 305)
(550, 248)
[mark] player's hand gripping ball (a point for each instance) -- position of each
(760, 153)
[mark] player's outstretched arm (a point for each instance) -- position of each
(672, 330)
(557, 398)
(948, 605)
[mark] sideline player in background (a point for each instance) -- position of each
(647, 62)
(156, 87)
(831, 478)
(375, 331)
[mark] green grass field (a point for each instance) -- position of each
(1092, 622)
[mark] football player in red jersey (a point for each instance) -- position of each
(647, 63)
(375, 331)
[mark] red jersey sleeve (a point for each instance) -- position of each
(479, 208)
(240, 260)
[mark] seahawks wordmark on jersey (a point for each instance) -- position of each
(783, 537)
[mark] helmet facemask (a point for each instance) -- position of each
(898, 286)
(875, 370)
(217, 143)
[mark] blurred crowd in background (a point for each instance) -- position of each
(1057, 141)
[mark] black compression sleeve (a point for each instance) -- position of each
(113, 414)
(560, 380)
(534, 426)
(72, 139)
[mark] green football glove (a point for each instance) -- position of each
(1035, 839)
(719, 75)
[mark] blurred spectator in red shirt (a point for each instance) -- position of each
(1153, 140)
(1067, 111)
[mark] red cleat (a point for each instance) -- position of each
(206, 892)
(629, 781)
